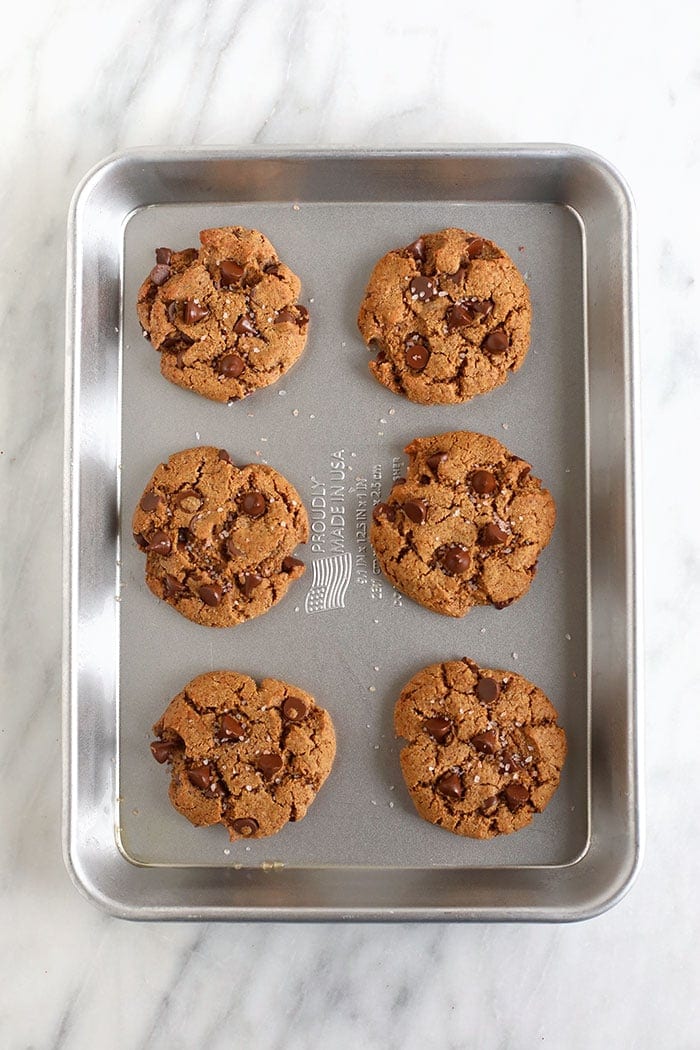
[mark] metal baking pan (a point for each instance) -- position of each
(361, 853)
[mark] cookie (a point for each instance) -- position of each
(484, 750)
(224, 319)
(449, 317)
(465, 527)
(251, 757)
(218, 538)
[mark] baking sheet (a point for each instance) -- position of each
(338, 436)
(361, 851)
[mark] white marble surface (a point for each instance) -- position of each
(619, 77)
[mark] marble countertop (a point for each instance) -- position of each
(619, 78)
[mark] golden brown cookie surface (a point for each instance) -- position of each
(225, 318)
(251, 757)
(449, 317)
(465, 527)
(219, 539)
(484, 751)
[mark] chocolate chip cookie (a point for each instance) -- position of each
(465, 527)
(219, 538)
(449, 317)
(484, 750)
(224, 318)
(251, 757)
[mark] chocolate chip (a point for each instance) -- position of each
(159, 274)
(164, 256)
(303, 315)
(489, 805)
(204, 778)
(459, 315)
(175, 341)
(150, 500)
(183, 537)
(416, 510)
(211, 594)
(459, 275)
(486, 743)
(438, 728)
(496, 342)
(245, 826)
(180, 357)
(417, 250)
(193, 313)
(162, 750)
(509, 601)
(483, 482)
(423, 288)
(271, 267)
(290, 563)
(189, 501)
(232, 550)
(435, 460)
(244, 326)
(253, 504)
(172, 586)
(510, 760)
(475, 247)
(491, 535)
(384, 510)
(231, 366)
(249, 581)
(285, 316)
(450, 785)
(171, 311)
(487, 690)
(454, 559)
(269, 765)
(294, 709)
(159, 543)
(230, 272)
(230, 728)
(382, 356)
(482, 307)
(223, 455)
(399, 481)
(516, 795)
(416, 354)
